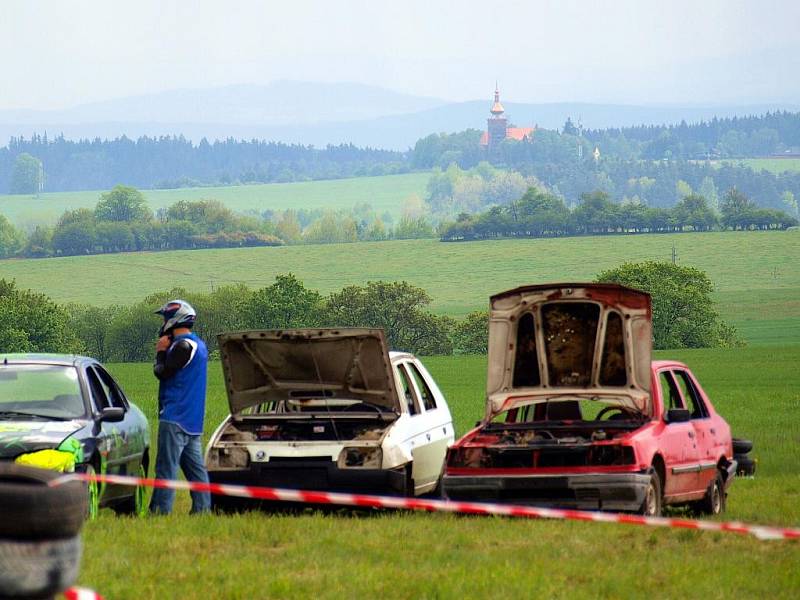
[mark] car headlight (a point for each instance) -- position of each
(54, 460)
(360, 458)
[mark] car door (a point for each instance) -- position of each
(111, 444)
(417, 430)
(705, 432)
(130, 440)
(678, 443)
(439, 433)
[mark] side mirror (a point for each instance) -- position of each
(678, 415)
(112, 414)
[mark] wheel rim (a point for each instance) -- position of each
(94, 496)
(140, 507)
(650, 501)
(716, 500)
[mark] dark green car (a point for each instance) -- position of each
(71, 403)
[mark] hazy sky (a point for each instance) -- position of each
(58, 53)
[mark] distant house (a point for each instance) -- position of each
(497, 128)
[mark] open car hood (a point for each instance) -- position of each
(569, 339)
(313, 364)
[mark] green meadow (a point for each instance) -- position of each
(757, 274)
(403, 555)
(773, 165)
(385, 193)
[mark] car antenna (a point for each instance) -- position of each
(327, 406)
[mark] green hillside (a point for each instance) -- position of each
(757, 273)
(384, 193)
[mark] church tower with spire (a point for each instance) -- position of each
(497, 129)
(496, 125)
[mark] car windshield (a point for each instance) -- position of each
(47, 391)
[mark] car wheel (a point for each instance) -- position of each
(653, 499)
(714, 501)
(136, 505)
(30, 509)
(741, 446)
(93, 490)
(38, 569)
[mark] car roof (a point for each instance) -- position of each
(398, 354)
(661, 364)
(66, 360)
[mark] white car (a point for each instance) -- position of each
(327, 409)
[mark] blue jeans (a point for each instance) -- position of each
(176, 447)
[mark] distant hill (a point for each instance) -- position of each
(327, 113)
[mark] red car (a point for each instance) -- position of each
(578, 416)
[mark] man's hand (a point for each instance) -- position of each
(162, 345)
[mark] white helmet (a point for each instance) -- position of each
(176, 313)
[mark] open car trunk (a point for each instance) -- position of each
(556, 343)
(298, 373)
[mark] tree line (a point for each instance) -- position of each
(56, 164)
(683, 315)
(542, 214)
(122, 221)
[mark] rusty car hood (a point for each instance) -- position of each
(591, 340)
(294, 364)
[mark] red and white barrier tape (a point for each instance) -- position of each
(79, 593)
(468, 508)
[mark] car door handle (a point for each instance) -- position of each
(428, 435)
(691, 434)
(713, 431)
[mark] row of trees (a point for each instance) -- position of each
(122, 221)
(128, 333)
(543, 214)
(733, 137)
(683, 315)
(170, 161)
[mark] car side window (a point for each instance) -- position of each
(693, 401)
(409, 397)
(669, 391)
(114, 394)
(428, 401)
(99, 398)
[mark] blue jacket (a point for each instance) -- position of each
(182, 370)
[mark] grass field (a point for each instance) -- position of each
(443, 556)
(385, 193)
(773, 165)
(757, 274)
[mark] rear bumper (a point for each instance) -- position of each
(314, 475)
(611, 491)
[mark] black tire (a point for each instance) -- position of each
(714, 501)
(31, 510)
(745, 467)
(38, 569)
(653, 503)
(741, 446)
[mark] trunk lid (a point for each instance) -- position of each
(314, 365)
(569, 340)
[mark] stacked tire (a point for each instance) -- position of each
(40, 545)
(746, 465)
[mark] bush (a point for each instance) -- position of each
(683, 312)
(471, 335)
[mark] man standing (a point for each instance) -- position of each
(181, 368)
